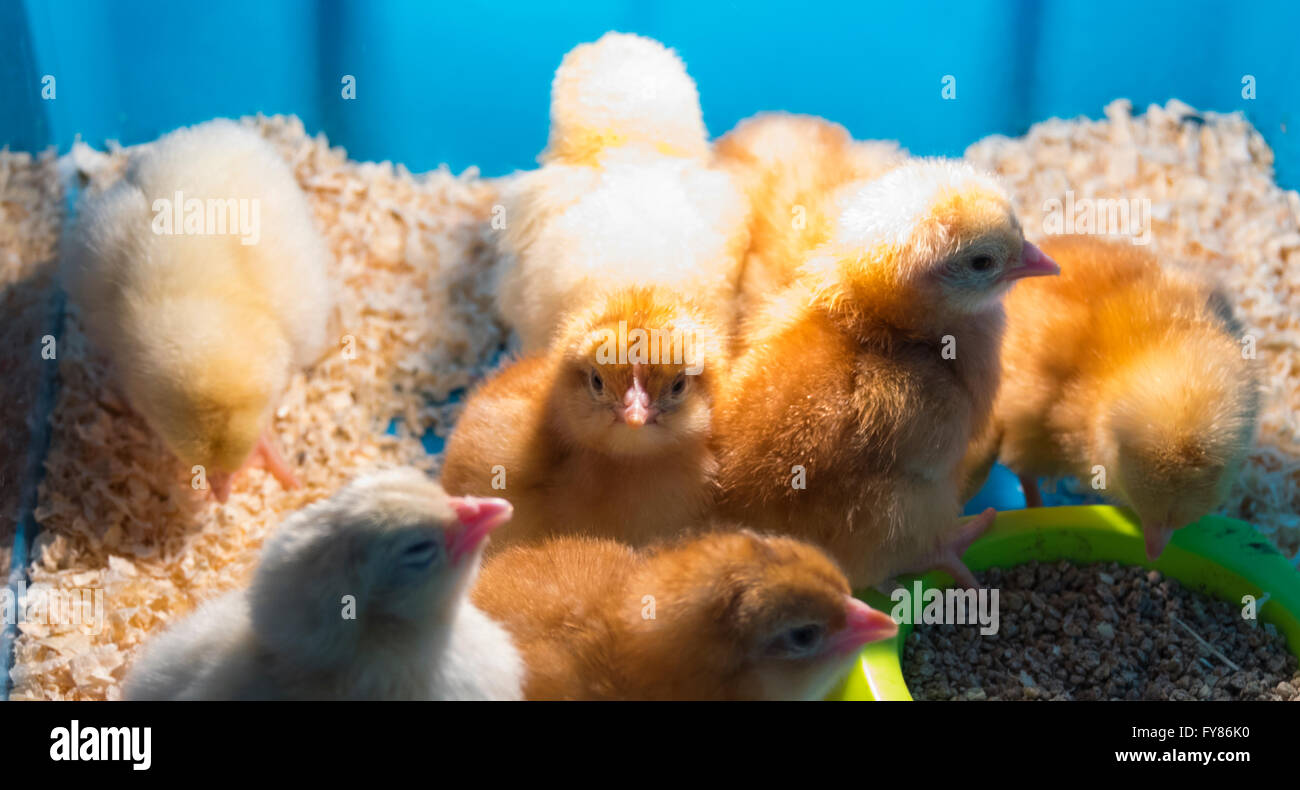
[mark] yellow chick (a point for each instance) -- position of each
(793, 169)
(626, 195)
(1127, 374)
(607, 433)
(202, 275)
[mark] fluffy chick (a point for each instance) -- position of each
(204, 330)
(1127, 365)
(846, 419)
(394, 548)
(730, 615)
(626, 194)
(792, 168)
(607, 432)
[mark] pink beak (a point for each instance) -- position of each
(1033, 263)
(637, 410)
(221, 484)
(1157, 537)
(862, 626)
(478, 517)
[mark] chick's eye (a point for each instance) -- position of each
(982, 263)
(802, 640)
(421, 554)
(679, 384)
(597, 383)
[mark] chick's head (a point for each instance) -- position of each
(1178, 431)
(924, 244)
(636, 373)
(773, 616)
(207, 377)
(386, 559)
(624, 90)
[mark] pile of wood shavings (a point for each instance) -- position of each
(116, 511)
(415, 280)
(31, 210)
(1215, 206)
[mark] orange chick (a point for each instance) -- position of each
(846, 419)
(725, 616)
(605, 433)
(1127, 374)
(792, 168)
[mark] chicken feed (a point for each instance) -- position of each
(1101, 632)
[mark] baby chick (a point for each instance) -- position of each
(792, 168)
(607, 432)
(1129, 372)
(205, 321)
(626, 194)
(362, 596)
(845, 420)
(724, 616)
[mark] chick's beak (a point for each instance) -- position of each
(862, 626)
(221, 483)
(636, 410)
(478, 517)
(1033, 263)
(1157, 534)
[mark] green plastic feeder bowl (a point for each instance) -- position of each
(1222, 557)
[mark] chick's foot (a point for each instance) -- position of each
(1033, 496)
(267, 456)
(264, 455)
(946, 555)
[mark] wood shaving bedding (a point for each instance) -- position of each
(31, 211)
(415, 275)
(116, 510)
(1214, 206)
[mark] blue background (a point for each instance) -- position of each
(467, 82)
